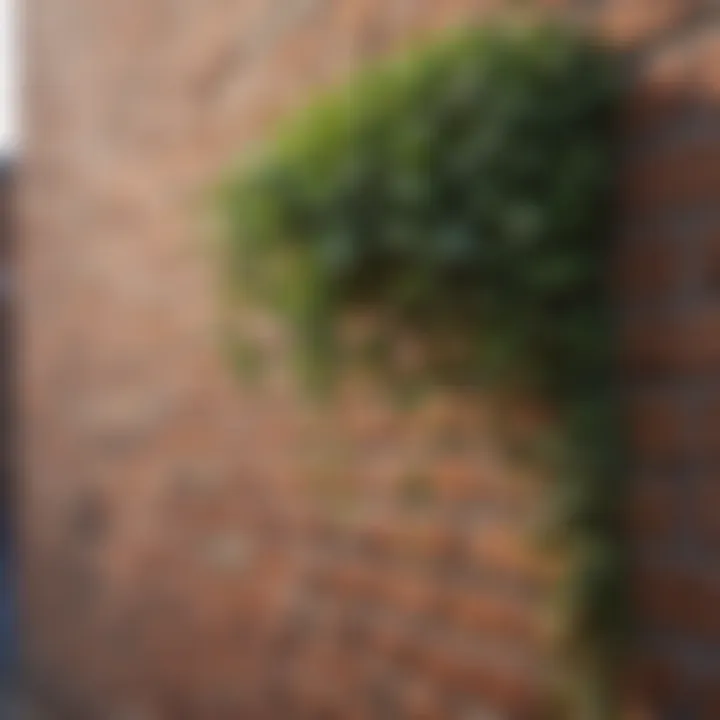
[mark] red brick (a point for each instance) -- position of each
(410, 539)
(661, 683)
(456, 481)
(634, 21)
(673, 346)
(710, 272)
(707, 429)
(491, 615)
(653, 511)
(409, 595)
(679, 176)
(419, 702)
(125, 126)
(705, 512)
(684, 603)
(506, 550)
(706, 69)
(506, 688)
(654, 104)
(658, 426)
(649, 270)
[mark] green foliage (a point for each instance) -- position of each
(459, 196)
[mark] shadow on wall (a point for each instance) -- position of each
(667, 279)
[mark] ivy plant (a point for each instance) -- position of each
(459, 195)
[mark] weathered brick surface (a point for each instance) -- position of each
(668, 289)
(192, 548)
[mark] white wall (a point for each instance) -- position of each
(8, 71)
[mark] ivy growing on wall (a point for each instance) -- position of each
(459, 196)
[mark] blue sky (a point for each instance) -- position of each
(8, 72)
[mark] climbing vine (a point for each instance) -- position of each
(459, 196)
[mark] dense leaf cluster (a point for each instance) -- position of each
(460, 193)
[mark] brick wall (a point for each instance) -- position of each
(669, 240)
(192, 549)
